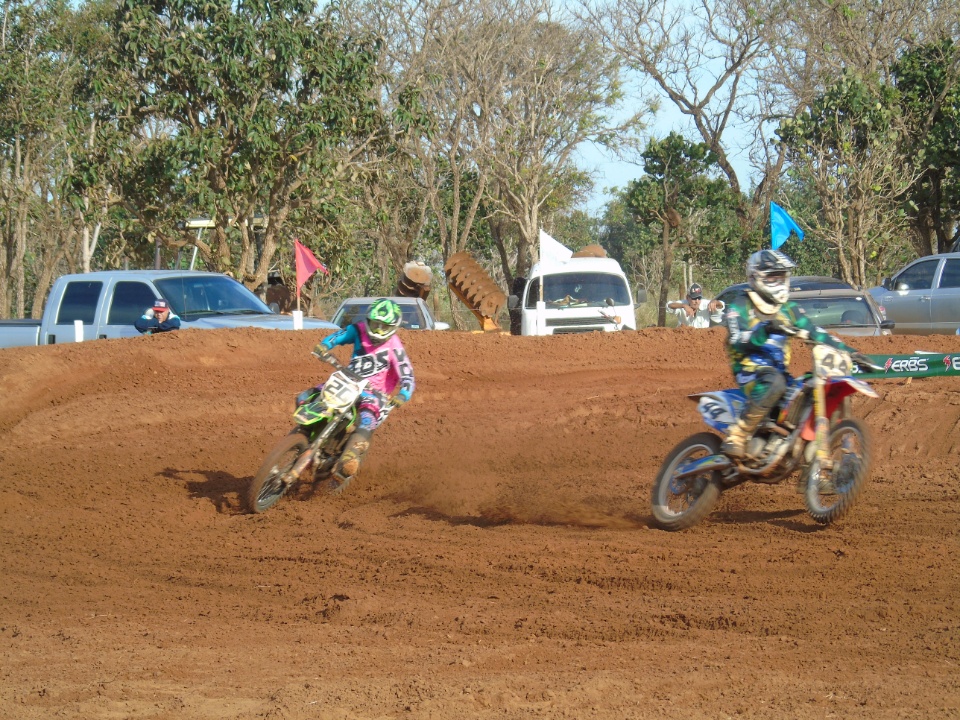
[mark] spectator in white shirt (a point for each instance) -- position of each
(692, 312)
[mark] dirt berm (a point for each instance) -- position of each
(494, 559)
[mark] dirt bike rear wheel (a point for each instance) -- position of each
(831, 494)
(693, 497)
(267, 487)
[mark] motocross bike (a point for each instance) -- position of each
(807, 431)
(324, 419)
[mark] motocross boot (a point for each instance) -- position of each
(735, 446)
(349, 463)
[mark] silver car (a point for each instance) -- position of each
(416, 314)
(832, 304)
(924, 297)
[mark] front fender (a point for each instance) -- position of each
(837, 389)
(314, 412)
(710, 462)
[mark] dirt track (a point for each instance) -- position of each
(493, 559)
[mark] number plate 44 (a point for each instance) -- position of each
(830, 362)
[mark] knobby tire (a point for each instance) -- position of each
(266, 490)
(700, 492)
(848, 476)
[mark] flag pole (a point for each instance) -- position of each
(297, 315)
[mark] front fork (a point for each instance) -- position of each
(303, 462)
(821, 426)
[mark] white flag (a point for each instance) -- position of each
(552, 251)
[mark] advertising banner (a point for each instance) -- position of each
(919, 364)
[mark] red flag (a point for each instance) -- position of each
(307, 263)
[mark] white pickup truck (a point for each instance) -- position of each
(105, 305)
(579, 294)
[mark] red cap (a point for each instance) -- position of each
(160, 305)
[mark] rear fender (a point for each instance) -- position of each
(837, 389)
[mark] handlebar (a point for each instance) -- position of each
(866, 364)
(858, 359)
(329, 359)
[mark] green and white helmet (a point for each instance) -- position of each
(383, 319)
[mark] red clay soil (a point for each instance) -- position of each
(494, 559)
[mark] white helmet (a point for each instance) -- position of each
(768, 274)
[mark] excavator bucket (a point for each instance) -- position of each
(415, 280)
(475, 288)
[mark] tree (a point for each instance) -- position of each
(675, 190)
(560, 87)
(237, 110)
(512, 93)
(88, 39)
(34, 79)
(847, 147)
(447, 51)
(709, 60)
(928, 80)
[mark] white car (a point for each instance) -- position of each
(416, 314)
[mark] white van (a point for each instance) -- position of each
(579, 294)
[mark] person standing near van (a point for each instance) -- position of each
(691, 311)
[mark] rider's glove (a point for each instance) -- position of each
(321, 351)
(863, 361)
(775, 327)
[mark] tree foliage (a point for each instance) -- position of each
(847, 146)
(681, 193)
(35, 79)
(237, 111)
(378, 132)
(928, 81)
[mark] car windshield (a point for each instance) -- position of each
(356, 311)
(205, 295)
(838, 311)
(579, 290)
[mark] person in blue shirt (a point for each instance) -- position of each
(157, 319)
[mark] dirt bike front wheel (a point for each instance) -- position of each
(680, 503)
(268, 486)
(830, 494)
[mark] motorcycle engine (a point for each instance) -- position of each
(756, 447)
(764, 446)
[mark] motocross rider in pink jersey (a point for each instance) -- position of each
(378, 356)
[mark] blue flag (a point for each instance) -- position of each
(781, 225)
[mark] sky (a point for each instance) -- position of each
(612, 172)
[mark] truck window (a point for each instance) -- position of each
(354, 312)
(193, 297)
(917, 277)
(130, 299)
(79, 302)
(951, 274)
(568, 289)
